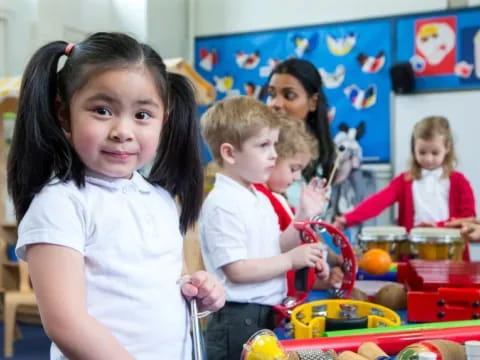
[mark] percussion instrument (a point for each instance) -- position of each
(311, 231)
(312, 319)
(436, 243)
(392, 239)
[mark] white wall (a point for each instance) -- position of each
(230, 16)
(31, 23)
(168, 27)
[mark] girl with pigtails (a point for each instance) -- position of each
(103, 243)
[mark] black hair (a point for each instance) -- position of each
(317, 121)
(40, 150)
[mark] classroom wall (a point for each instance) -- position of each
(167, 23)
(31, 23)
(215, 17)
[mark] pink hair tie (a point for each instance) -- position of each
(68, 48)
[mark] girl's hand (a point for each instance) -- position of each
(336, 278)
(471, 232)
(426, 224)
(305, 255)
(322, 269)
(206, 288)
(340, 222)
(334, 281)
(313, 199)
(457, 223)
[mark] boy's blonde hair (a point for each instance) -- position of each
(427, 129)
(234, 121)
(294, 139)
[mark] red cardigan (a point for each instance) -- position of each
(461, 201)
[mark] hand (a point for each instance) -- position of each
(334, 281)
(313, 199)
(471, 231)
(340, 222)
(206, 288)
(457, 223)
(426, 224)
(336, 277)
(305, 255)
(322, 269)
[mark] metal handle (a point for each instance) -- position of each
(196, 331)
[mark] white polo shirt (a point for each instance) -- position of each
(237, 223)
(128, 233)
(430, 196)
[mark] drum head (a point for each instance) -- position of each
(383, 233)
(435, 235)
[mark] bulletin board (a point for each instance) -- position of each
(443, 48)
(353, 59)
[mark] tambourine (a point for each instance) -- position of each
(312, 319)
(310, 232)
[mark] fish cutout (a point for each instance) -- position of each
(341, 46)
(359, 98)
(267, 69)
(223, 84)
(208, 59)
(371, 64)
(303, 44)
(247, 61)
(335, 79)
(463, 69)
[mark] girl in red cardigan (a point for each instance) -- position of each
(431, 192)
(295, 149)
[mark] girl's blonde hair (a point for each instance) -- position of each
(427, 129)
(294, 138)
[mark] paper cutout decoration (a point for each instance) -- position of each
(204, 91)
(334, 79)
(371, 64)
(359, 98)
(342, 45)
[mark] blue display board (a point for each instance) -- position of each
(444, 49)
(353, 59)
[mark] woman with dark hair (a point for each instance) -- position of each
(295, 88)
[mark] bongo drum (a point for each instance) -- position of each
(436, 243)
(392, 239)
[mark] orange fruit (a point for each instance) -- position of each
(375, 262)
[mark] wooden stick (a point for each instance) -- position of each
(335, 166)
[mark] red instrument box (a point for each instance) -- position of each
(441, 290)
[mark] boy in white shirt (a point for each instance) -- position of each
(239, 232)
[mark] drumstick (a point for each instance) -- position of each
(341, 149)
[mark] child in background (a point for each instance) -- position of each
(295, 149)
(431, 192)
(240, 237)
(103, 244)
